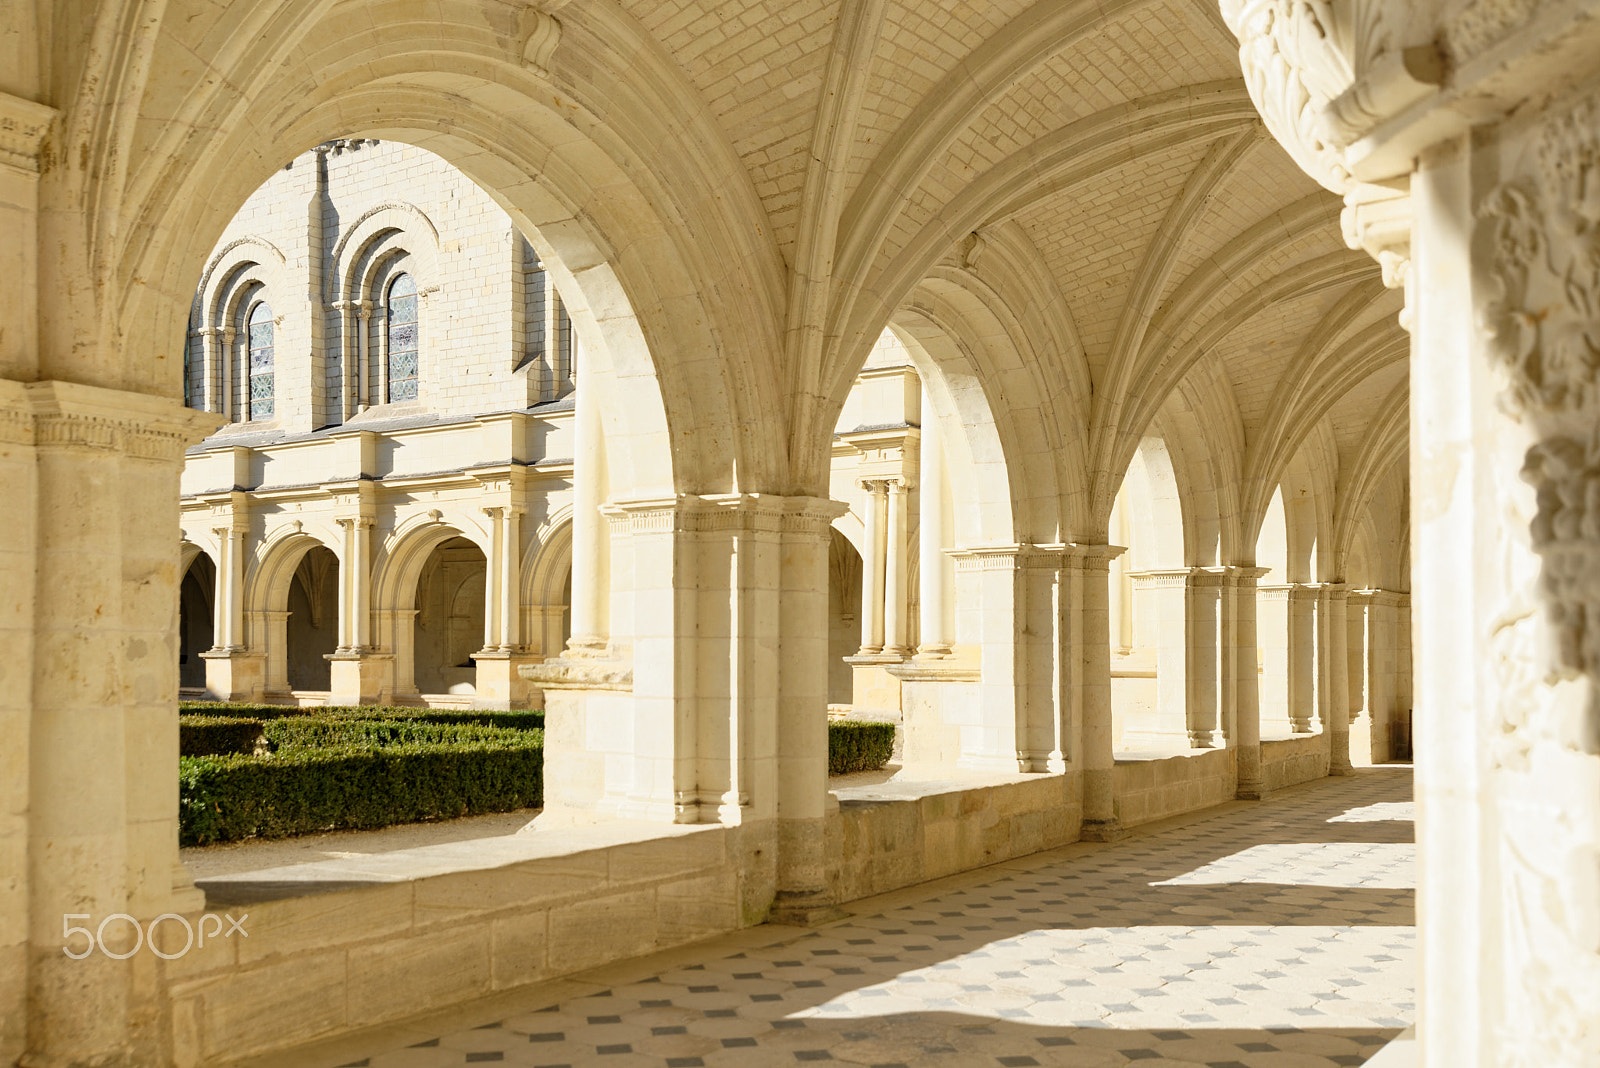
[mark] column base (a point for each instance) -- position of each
(357, 678)
(500, 684)
(804, 908)
(234, 675)
(1250, 791)
(1102, 831)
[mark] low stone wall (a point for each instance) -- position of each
(900, 834)
(1290, 761)
(1154, 789)
(339, 945)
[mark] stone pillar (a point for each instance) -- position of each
(91, 747)
(233, 671)
(499, 683)
(1337, 722)
(1302, 657)
(873, 569)
(1374, 658)
(990, 729)
(894, 575)
(350, 362)
(1185, 603)
(1272, 635)
(803, 893)
(1204, 651)
(1246, 738)
(590, 544)
(933, 570)
(214, 359)
(359, 675)
(360, 370)
(1100, 823)
(875, 691)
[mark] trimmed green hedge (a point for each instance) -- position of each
(858, 745)
(520, 718)
(316, 732)
(304, 791)
(201, 735)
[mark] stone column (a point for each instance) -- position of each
(803, 892)
(91, 752)
(233, 672)
(1337, 673)
(493, 582)
(1302, 657)
(359, 674)
(894, 579)
(873, 569)
(499, 683)
(590, 544)
(350, 361)
(214, 359)
(1204, 653)
(1247, 685)
(933, 566)
(1100, 823)
(361, 358)
(220, 614)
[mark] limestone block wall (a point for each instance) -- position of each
(891, 836)
(1155, 789)
(1288, 761)
(337, 946)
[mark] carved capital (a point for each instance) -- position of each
(1324, 75)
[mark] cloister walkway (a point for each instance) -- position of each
(1269, 935)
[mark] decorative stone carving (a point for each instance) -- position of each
(544, 35)
(1482, 23)
(1323, 76)
(1538, 233)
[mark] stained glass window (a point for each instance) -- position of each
(403, 338)
(260, 378)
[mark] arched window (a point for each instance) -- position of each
(402, 305)
(260, 354)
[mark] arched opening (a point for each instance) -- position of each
(844, 615)
(449, 623)
(312, 630)
(1274, 597)
(196, 601)
(1148, 599)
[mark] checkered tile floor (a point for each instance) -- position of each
(1276, 935)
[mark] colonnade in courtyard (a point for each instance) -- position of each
(1080, 260)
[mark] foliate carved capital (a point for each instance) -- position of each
(1324, 75)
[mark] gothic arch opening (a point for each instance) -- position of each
(448, 625)
(196, 618)
(311, 631)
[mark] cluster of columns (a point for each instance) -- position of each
(1213, 623)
